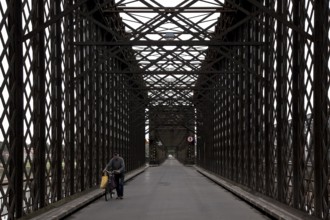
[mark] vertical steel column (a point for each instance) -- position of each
(211, 135)
(222, 126)
(123, 117)
(16, 112)
(257, 108)
(39, 141)
(268, 100)
(133, 147)
(128, 148)
(238, 118)
(104, 111)
(298, 106)
(320, 109)
(204, 136)
(90, 108)
(232, 120)
(81, 108)
(71, 96)
(57, 108)
(280, 71)
(227, 125)
(124, 120)
(98, 114)
(217, 120)
(241, 112)
(113, 109)
(247, 115)
(110, 110)
(134, 127)
(214, 125)
(121, 112)
(252, 106)
(131, 141)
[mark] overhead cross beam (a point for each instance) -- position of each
(123, 9)
(168, 43)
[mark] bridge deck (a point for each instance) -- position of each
(170, 191)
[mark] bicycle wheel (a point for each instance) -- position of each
(107, 193)
(111, 192)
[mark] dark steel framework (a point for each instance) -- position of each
(268, 129)
(80, 79)
(61, 119)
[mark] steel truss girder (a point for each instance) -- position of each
(47, 96)
(285, 72)
(235, 78)
(167, 10)
(169, 73)
(168, 43)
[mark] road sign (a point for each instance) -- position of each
(190, 138)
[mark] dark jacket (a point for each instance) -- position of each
(116, 164)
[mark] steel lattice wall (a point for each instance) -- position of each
(72, 92)
(270, 120)
(61, 115)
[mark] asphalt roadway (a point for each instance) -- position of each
(171, 191)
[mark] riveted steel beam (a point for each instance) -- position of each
(168, 43)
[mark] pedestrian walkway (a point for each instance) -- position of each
(170, 191)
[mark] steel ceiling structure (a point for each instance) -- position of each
(170, 41)
(80, 79)
(169, 44)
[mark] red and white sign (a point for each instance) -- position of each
(190, 138)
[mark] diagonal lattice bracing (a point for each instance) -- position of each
(155, 23)
(80, 79)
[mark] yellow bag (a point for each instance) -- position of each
(104, 181)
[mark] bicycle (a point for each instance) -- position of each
(108, 191)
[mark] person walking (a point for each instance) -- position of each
(117, 165)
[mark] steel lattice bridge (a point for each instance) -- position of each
(240, 88)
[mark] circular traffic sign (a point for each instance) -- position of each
(190, 138)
